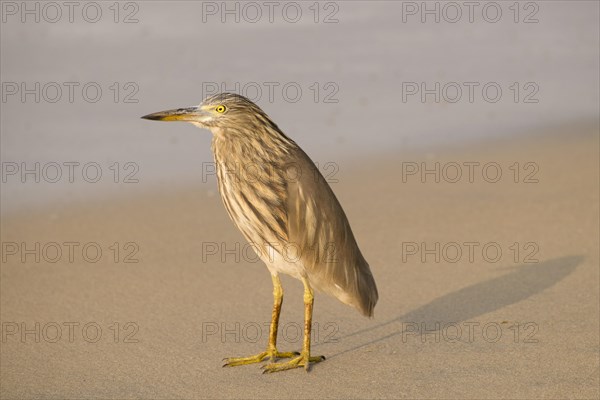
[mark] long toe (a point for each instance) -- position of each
(270, 355)
(296, 362)
(236, 361)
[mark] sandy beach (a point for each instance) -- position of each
(461, 138)
(488, 285)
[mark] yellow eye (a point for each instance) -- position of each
(220, 109)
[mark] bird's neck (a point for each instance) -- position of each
(250, 146)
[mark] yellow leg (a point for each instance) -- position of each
(303, 359)
(271, 353)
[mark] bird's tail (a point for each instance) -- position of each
(367, 292)
(353, 285)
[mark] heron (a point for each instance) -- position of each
(286, 210)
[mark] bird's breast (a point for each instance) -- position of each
(254, 195)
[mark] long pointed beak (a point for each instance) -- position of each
(179, 114)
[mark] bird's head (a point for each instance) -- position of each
(224, 110)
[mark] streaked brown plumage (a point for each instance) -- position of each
(281, 203)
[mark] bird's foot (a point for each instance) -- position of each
(271, 355)
(303, 360)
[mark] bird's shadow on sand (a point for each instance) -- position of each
(522, 282)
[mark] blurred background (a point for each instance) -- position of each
(347, 80)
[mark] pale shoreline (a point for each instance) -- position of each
(174, 299)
